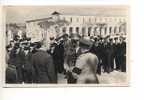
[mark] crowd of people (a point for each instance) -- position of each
(79, 58)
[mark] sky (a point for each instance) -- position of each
(20, 14)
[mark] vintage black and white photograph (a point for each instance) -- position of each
(66, 45)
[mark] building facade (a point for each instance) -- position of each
(13, 29)
(81, 24)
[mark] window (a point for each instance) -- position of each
(115, 29)
(77, 29)
(120, 29)
(89, 31)
(77, 19)
(83, 20)
(95, 30)
(64, 29)
(110, 30)
(100, 30)
(89, 19)
(95, 19)
(71, 19)
(83, 30)
(70, 30)
(105, 30)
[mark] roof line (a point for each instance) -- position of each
(38, 19)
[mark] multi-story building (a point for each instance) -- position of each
(85, 25)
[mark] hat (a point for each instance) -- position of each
(8, 46)
(51, 38)
(75, 36)
(65, 35)
(59, 36)
(24, 43)
(11, 40)
(110, 39)
(16, 45)
(86, 42)
(38, 45)
(116, 38)
(121, 37)
(26, 48)
(100, 38)
(95, 38)
(32, 44)
(28, 39)
(107, 37)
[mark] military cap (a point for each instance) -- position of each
(28, 39)
(86, 42)
(116, 38)
(65, 35)
(26, 48)
(75, 36)
(11, 40)
(16, 46)
(95, 38)
(51, 38)
(110, 39)
(59, 36)
(38, 44)
(32, 44)
(8, 46)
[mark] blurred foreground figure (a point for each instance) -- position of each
(86, 64)
(11, 74)
(43, 66)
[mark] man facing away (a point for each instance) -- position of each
(43, 66)
(86, 65)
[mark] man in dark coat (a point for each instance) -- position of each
(58, 56)
(123, 54)
(110, 55)
(96, 50)
(43, 66)
(11, 73)
(28, 68)
(17, 59)
(117, 51)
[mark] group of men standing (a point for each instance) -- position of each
(111, 54)
(80, 59)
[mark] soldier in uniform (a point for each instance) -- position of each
(96, 50)
(28, 68)
(110, 55)
(105, 55)
(123, 54)
(70, 56)
(117, 53)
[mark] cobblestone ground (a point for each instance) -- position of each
(114, 77)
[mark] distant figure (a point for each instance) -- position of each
(43, 66)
